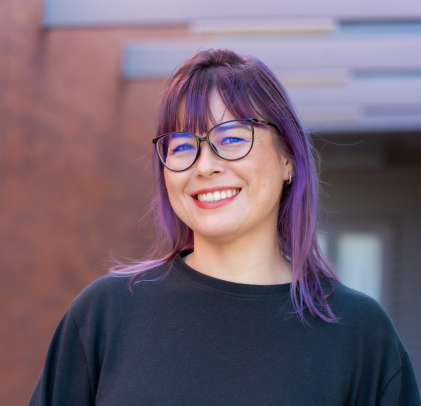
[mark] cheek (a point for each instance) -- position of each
(267, 178)
(267, 166)
(175, 184)
(172, 184)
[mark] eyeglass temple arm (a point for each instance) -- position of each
(255, 120)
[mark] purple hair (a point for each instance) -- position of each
(248, 88)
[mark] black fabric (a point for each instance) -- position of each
(190, 339)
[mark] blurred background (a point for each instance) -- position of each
(80, 82)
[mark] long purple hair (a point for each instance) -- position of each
(248, 88)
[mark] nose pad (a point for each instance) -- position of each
(206, 149)
(208, 162)
(212, 148)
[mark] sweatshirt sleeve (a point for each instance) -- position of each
(402, 389)
(65, 378)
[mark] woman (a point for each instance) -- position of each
(244, 310)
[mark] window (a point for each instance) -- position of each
(360, 253)
(359, 258)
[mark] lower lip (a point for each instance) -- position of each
(214, 205)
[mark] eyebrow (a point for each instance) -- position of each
(182, 135)
(234, 124)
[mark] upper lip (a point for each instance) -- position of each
(214, 189)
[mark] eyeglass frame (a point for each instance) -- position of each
(199, 140)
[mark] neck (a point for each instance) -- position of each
(252, 259)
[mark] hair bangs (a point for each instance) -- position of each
(187, 105)
(234, 90)
(188, 102)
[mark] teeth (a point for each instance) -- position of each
(217, 196)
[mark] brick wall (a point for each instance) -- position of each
(74, 176)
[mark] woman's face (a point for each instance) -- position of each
(259, 178)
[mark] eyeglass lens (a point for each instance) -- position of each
(230, 140)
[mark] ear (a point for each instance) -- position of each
(289, 168)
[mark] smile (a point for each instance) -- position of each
(217, 196)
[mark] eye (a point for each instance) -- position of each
(183, 147)
(231, 140)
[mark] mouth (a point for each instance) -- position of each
(216, 196)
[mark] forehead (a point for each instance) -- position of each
(218, 109)
(201, 118)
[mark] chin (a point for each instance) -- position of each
(215, 232)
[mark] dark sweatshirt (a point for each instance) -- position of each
(190, 339)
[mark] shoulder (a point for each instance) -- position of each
(368, 332)
(353, 304)
(365, 319)
(101, 290)
(115, 294)
(100, 299)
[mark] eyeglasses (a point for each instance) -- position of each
(231, 140)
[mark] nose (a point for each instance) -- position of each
(208, 163)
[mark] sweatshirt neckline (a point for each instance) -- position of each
(224, 286)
